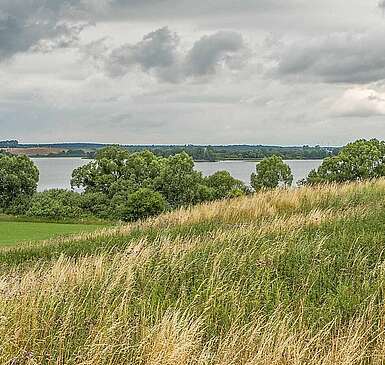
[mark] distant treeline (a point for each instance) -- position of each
(197, 152)
(9, 144)
(240, 152)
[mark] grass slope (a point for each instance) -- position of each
(284, 277)
(16, 232)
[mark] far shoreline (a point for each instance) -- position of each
(221, 160)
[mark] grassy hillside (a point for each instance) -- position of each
(285, 277)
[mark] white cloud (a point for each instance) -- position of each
(360, 102)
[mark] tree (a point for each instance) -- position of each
(96, 204)
(56, 203)
(18, 182)
(99, 175)
(115, 169)
(178, 182)
(114, 183)
(271, 172)
(360, 160)
(223, 185)
(141, 204)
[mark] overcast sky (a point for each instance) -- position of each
(287, 72)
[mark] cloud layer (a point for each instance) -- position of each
(211, 71)
(360, 103)
(338, 58)
(158, 53)
(25, 24)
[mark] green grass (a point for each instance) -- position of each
(283, 277)
(12, 233)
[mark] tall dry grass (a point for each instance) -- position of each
(79, 313)
(283, 277)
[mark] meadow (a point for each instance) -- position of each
(17, 232)
(281, 277)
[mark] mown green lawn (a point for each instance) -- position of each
(12, 233)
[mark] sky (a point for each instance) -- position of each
(287, 72)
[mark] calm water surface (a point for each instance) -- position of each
(56, 172)
(243, 169)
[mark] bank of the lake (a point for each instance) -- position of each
(55, 172)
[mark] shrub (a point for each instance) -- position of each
(271, 172)
(224, 185)
(357, 161)
(56, 203)
(141, 204)
(96, 204)
(18, 182)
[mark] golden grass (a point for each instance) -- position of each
(288, 208)
(193, 299)
(35, 330)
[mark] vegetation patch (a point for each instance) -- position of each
(12, 233)
(208, 272)
(279, 277)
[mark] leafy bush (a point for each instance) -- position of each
(18, 182)
(223, 185)
(143, 203)
(360, 160)
(56, 203)
(96, 204)
(271, 172)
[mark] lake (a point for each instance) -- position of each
(56, 172)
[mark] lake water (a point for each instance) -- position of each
(56, 172)
(243, 169)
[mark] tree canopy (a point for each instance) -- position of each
(360, 160)
(178, 182)
(55, 203)
(131, 186)
(223, 185)
(18, 182)
(271, 172)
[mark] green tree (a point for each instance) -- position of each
(18, 182)
(96, 204)
(115, 169)
(56, 203)
(141, 204)
(115, 181)
(178, 182)
(99, 175)
(223, 185)
(271, 172)
(360, 160)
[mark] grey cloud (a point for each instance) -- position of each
(135, 122)
(140, 9)
(338, 58)
(158, 53)
(209, 51)
(35, 23)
